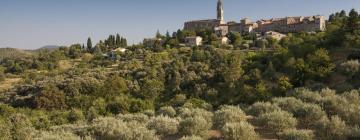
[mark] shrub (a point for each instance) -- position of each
(228, 114)
(354, 133)
(149, 113)
(191, 138)
(79, 129)
(196, 112)
(239, 130)
(293, 134)
(194, 126)
(164, 125)
(306, 95)
(113, 129)
(50, 98)
(309, 114)
(351, 114)
(261, 108)
(277, 121)
(138, 117)
(333, 129)
(5, 133)
(333, 104)
(21, 127)
(289, 104)
(75, 115)
(167, 111)
(351, 67)
(45, 135)
(2, 76)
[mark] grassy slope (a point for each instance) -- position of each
(13, 53)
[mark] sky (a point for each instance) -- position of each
(31, 24)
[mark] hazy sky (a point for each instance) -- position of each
(30, 24)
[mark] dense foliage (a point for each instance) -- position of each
(174, 91)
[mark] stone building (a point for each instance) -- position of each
(193, 41)
(292, 24)
(281, 25)
(245, 26)
(218, 24)
(272, 34)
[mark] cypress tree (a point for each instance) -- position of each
(118, 40)
(89, 44)
(353, 19)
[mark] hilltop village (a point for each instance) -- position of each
(259, 31)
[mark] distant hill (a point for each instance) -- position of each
(48, 47)
(13, 53)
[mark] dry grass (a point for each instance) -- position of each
(8, 83)
(65, 65)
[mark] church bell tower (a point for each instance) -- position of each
(220, 11)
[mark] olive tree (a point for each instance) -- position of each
(259, 108)
(228, 114)
(239, 131)
(277, 121)
(164, 125)
(293, 134)
(194, 126)
(333, 129)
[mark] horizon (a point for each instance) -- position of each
(34, 24)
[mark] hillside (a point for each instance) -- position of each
(48, 47)
(13, 53)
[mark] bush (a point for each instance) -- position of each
(333, 104)
(75, 115)
(351, 67)
(5, 133)
(50, 98)
(309, 114)
(228, 114)
(306, 95)
(149, 113)
(191, 138)
(261, 108)
(194, 126)
(167, 111)
(138, 117)
(239, 130)
(2, 76)
(44, 135)
(21, 127)
(289, 104)
(333, 129)
(196, 112)
(82, 130)
(113, 129)
(293, 134)
(277, 121)
(164, 125)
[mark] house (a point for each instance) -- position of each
(193, 41)
(274, 35)
(225, 40)
(151, 42)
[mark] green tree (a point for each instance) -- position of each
(114, 86)
(320, 64)
(277, 121)
(89, 44)
(235, 38)
(118, 40)
(50, 98)
(353, 21)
